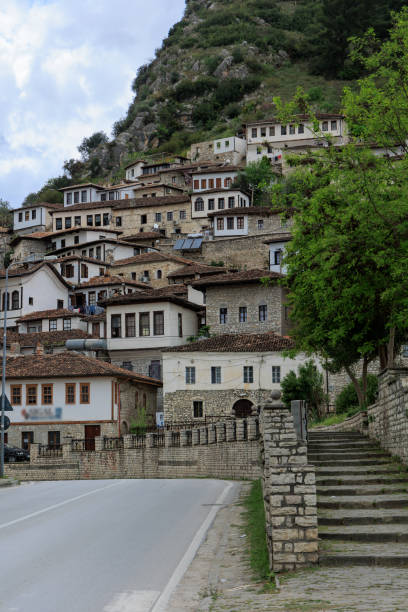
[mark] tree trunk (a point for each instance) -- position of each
(382, 354)
(357, 386)
(364, 379)
(391, 348)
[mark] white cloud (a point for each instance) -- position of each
(66, 68)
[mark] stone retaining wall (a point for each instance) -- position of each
(357, 422)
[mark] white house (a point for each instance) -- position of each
(271, 138)
(67, 395)
(88, 293)
(81, 194)
(103, 249)
(57, 319)
(217, 177)
(277, 246)
(207, 201)
(77, 268)
(91, 214)
(74, 235)
(226, 375)
(134, 169)
(34, 218)
(32, 288)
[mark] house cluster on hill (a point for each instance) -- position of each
(156, 298)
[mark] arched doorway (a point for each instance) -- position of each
(124, 428)
(242, 409)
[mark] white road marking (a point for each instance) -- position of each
(161, 603)
(63, 503)
(136, 601)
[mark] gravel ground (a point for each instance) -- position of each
(219, 579)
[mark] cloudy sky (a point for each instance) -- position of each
(66, 68)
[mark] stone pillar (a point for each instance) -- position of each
(183, 437)
(34, 450)
(240, 430)
(220, 432)
(289, 489)
(252, 428)
(99, 443)
(66, 451)
(203, 435)
(168, 438)
(150, 440)
(196, 436)
(231, 431)
(127, 441)
(212, 438)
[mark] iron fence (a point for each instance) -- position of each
(112, 443)
(87, 444)
(189, 437)
(138, 441)
(50, 450)
(175, 438)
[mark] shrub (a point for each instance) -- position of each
(238, 55)
(203, 114)
(347, 399)
(212, 62)
(306, 385)
(232, 110)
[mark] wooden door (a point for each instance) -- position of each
(91, 432)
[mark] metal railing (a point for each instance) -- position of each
(112, 443)
(87, 444)
(158, 440)
(50, 450)
(138, 441)
(189, 437)
(175, 438)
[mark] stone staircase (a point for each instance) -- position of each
(362, 501)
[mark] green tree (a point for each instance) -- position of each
(307, 385)
(347, 398)
(256, 179)
(6, 214)
(89, 144)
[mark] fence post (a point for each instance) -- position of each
(34, 452)
(212, 438)
(99, 443)
(168, 438)
(231, 431)
(183, 437)
(150, 440)
(66, 450)
(127, 441)
(196, 437)
(220, 432)
(240, 430)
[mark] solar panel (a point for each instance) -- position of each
(187, 243)
(179, 244)
(197, 243)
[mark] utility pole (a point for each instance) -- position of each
(3, 378)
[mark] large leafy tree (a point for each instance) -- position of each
(256, 179)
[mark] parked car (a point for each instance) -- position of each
(12, 454)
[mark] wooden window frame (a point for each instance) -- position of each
(66, 393)
(81, 386)
(12, 387)
(43, 395)
(31, 386)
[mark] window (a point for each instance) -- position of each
(92, 298)
(159, 274)
(277, 257)
(69, 198)
(260, 224)
(77, 221)
(220, 223)
(404, 351)
(46, 394)
(144, 324)
(84, 393)
(333, 126)
(127, 365)
(263, 131)
(254, 132)
(27, 215)
(31, 395)
(227, 182)
(243, 314)
(158, 323)
(103, 197)
(196, 184)
(157, 217)
(111, 195)
(263, 312)
(60, 304)
(98, 253)
(34, 327)
(180, 324)
(68, 271)
(27, 438)
(230, 223)
(301, 128)
(211, 204)
(218, 145)
(83, 196)
(143, 219)
(98, 220)
(182, 214)
(76, 239)
(223, 315)
(218, 183)
(66, 324)
(54, 439)
(105, 218)
(198, 409)
(116, 326)
(203, 183)
(58, 223)
(15, 300)
(283, 130)
(276, 374)
(33, 214)
(240, 222)
(199, 204)
(20, 217)
(84, 271)
(215, 375)
(63, 244)
(91, 252)
(231, 202)
(89, 219)
(325, 126)
(272, 130)
(53, 325)
(248, 374)
(292, 129)
(30, 301)
(221, 203)
(70, 393)
(130, 325)
(118, 221)
(76, 197)
(170, 216)
(211, 183)
(190, 375)
(15, 392)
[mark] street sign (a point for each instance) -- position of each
(6, 423)
(7, 406)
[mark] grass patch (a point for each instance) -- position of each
(331, 420)
(256, 533)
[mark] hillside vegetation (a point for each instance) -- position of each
(222, 65)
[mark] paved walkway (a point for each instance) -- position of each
(219, 579)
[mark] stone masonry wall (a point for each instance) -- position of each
(246, 252)
(358, 422)
(289, 488)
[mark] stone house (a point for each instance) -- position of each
(277, 246)
(226, 376)
(152, 268)
(193, 271)
(245, 221)
(87, 214)
(90, 292)
(238, 302)
(35, 218)
(156, 190)
(207, 201)
(68, 395)
(76, 268)
(29, 247)
(229, 150)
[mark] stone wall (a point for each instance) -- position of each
(243, 252)
(289, 488)
(67, 431)
(357, 422)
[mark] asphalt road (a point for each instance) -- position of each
(101, 545)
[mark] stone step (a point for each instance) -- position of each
(366, 516)
(338, 446)
(398, 500)
(331, 437)
(325, 456)
(342, 552)
(365, 489)
(350, 462)
(360, 470)
(397, 532)
(361, 479)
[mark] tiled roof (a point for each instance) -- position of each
(279, 238)
(88, 205)
(81, 185)
(143, 236)
(91, 228)
(56, 206)
(107, 280)
(79, 258)
(259, 211)
(143, 186)
(94, 318)
(47, 338)
(32, 236)
(67, 365)
(56, 313)
(176, 289)
(152, 295)
(196, 268)
(147, 202)
(150, 258)
(236, 278)
(237, 343)
(217, 169)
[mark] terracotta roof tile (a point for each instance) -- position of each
(236, 278)
(147, 202)
(217, 169)
(150, 258)
(259, 211)
(196, 268)
(143, 236)
(152, 295)
(107, 280)
(237, 343)
(56, 313)
(53, 338)
(66, 365)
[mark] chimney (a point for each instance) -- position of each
(39, 350)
